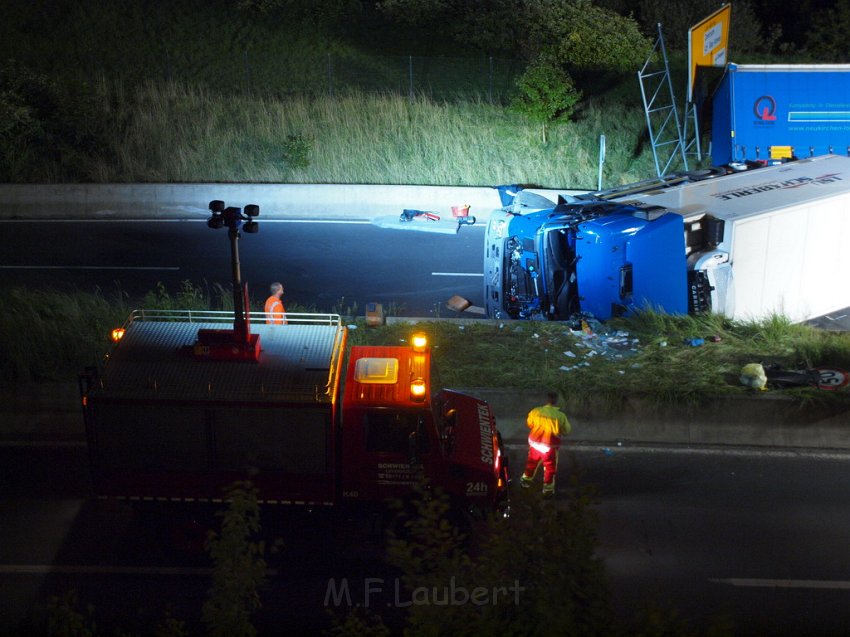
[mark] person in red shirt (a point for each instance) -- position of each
(546, 425)
(275, 312)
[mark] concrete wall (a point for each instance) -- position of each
(52, 411)
(770, 420)
(136, 201)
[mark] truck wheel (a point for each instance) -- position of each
(180, 531)
(706, 173)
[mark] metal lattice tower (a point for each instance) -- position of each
(659, 105)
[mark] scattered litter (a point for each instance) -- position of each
(592, 340)
(461, 327)
(662, 344)
(714, 338)
(695, 342)
(607, 452)
(820, 377)
(457, 303)
(753, 375)
(418, 215)
(352, 326)
(621, 371)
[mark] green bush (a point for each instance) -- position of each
(49, 131)
(546, 94)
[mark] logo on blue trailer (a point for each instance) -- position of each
(764, 109)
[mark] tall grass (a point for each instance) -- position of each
(183, 133)
(660, 367)
(53, 335)
(50, 335)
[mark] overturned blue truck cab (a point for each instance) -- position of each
(742, 243)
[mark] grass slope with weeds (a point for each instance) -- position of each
(176, 132)
(51, 336)
(598, 369)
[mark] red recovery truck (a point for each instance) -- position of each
(174, 415)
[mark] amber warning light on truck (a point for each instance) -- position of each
(419, 341)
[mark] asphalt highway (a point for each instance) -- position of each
(755, 536)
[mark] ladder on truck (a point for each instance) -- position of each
(659, 105)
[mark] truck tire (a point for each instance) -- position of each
(180, 529)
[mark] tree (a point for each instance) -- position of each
(546, 94)
(48, 129)
(533, 573)
(566, 43)
(747, 34)
(239, 566)
(827, 39)
(583, 36)
(576, 34)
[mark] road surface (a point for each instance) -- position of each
(758, 536)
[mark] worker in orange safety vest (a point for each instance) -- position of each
(546, 425)
(274, 306)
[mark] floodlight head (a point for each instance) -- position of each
(232, 217)
(215, 222)
(217, 205)
(251, 227)
(252, 210)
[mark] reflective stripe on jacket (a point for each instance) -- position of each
(547, 424)
(274, 310)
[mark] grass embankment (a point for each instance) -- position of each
(182, 133)
(51, 336)
(197, 91)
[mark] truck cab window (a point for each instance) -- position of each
(388, 431)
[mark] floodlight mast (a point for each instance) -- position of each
(238, 343)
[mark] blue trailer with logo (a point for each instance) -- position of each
(774, 112)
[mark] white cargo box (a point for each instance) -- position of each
(786, 234)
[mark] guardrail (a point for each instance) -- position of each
(226, 316)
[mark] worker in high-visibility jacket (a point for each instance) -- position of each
(546, 424)
(275, 312)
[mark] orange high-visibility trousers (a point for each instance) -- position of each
(541, 454)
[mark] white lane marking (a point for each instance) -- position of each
(590, 447)
(43, 443)
(457, 274)
(783, 583)
(181, 220)
(170, 268)
(59, 569)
